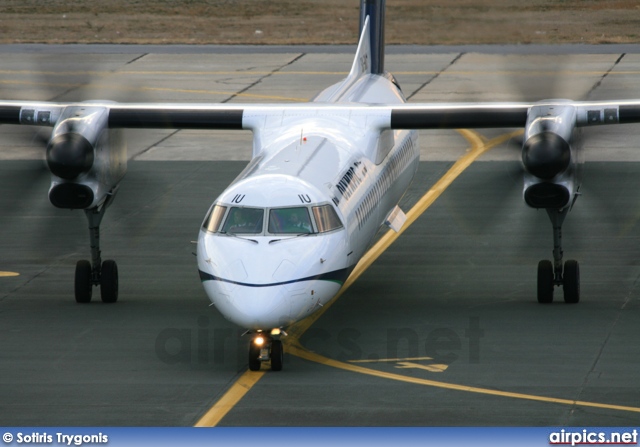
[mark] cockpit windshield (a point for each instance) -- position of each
(311, 219)
(290, 221)
(244, 221)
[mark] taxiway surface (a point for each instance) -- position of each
(450, 306)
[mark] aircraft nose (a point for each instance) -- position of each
(254, 307)
(270, 282)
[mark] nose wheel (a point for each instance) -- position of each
(87, 277)
(545, 282)
(265, 348)
(569, 280)
(553, 274)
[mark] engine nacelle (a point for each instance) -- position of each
(87, 159)
(549, 156)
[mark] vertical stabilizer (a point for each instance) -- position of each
(362, 61)
(374, 9)
(369, 58)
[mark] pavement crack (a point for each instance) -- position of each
(37, 275)
(262, 78)
(434, 77)
(135, 59)
(292, 61)
(160, 141)
(591, 372)
(599, 83)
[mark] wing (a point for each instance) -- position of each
(249, 116)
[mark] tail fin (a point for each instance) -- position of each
(362, 60)
(369, 57)
(374, 9)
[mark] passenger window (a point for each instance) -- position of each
(214, 219)
(326, 218)
(290, 221)
(244, 221)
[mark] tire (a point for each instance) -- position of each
(277, 355)
(571, 283)
(83, 285)
(254, 357)
(545, 282)
(109, 282)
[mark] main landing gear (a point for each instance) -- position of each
(96, 272)
(552, 274)
(265, 347)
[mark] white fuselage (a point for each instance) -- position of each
(267, 276)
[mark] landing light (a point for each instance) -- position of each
(259, 340)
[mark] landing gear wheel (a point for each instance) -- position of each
(277, 355)
(83, 284)
(254, 357)
(545, 282)
(571, 284)
(109, 282)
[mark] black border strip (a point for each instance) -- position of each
(175, 119)
(458, 118)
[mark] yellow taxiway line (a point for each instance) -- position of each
(296, 349)
(237, 391)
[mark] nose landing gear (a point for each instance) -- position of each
(553, 274)
(266, 348)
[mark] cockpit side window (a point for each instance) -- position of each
(290, 221)
(214, 219)
(244, 221)
(326, 218)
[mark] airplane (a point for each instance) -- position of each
(324, 177)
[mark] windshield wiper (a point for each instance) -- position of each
(239, 237)
(289, 238)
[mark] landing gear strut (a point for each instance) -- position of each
(553, 274)
(96, 272)
(263, 348)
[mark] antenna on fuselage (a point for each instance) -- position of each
(375, 10)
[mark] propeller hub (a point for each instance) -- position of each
(69, 155)
(546, 155)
